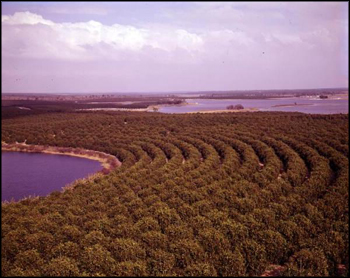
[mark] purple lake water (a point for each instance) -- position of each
(37, 174)
(304, 105)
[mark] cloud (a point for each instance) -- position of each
(84, 40)
(26, 18)
(185, 47)
(29, 35)
(229, 36)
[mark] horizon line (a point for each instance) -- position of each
(181, 92)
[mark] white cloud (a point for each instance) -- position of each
(25, 18)
(187, 40)
(83, 40)
(30, 35)
(229, 36)
(202, 46)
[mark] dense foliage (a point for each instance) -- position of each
(197, 194)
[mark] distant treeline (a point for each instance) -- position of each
(14, 108)
(264, 94)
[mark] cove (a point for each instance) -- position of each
(38, 174)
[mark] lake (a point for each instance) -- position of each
(38, 174)
(304, 105)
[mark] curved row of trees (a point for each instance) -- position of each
(208, 194)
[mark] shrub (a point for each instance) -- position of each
(200, 270)
(235, 107)
(96, 259)
(131, 269)
(61, 266)
(124, 249)
(307, 263)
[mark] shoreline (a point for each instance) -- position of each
(159, 106)
(115, 109)
(224, 111)
(292, 105)
(107, 161)
(150, 108)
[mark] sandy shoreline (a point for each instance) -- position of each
(108, 162)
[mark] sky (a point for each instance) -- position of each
(89, 47)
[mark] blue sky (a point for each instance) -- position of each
(173, 46)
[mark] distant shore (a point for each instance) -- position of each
(224, 111)
(115, 109)
(151, 108)
(338, 96)
(292, 105)
(108, 162)
(158, 106)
